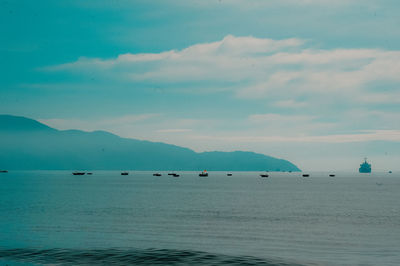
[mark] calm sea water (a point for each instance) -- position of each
(53, 217)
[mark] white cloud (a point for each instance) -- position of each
(319, 2)
(365, 136)
(278, 118)
(173, 130)
(265, 3)
(290, 104)
(253, 67)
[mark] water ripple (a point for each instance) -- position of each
(136, 257)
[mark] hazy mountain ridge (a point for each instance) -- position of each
(27, 144)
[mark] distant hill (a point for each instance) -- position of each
(26, 144)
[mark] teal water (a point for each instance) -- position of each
(53, 217)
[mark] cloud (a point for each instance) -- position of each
(290, 104)
(278, 118)
(365, 136)
(213, 3)
(251, 68)
(174, 130)
(221, 60)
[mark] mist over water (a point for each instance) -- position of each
(53, 217)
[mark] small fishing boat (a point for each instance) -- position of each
(3, 171)
(264, 175)
(78, 173)
(204, 173)
(229, 174)
(124, 173)
(306, 175)
(157, 174)
(176, 175)
(332, 175)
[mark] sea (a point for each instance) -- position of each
(56, 218)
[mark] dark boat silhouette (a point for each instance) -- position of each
(175, 175)
(306, 175)
(264, 175)
(390, 172)
(229, 174)
(124, 173)
(157, 174)
(365, 167)
(331, 175)
(204, 173)
(3, 171)
(78, 173)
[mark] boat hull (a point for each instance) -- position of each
(364, 171)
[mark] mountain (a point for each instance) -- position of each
(26, 144)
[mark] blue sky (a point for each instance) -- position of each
(312, 81)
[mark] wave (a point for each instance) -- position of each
(132, 257)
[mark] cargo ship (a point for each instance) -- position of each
(365, 167)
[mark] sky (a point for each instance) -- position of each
(312, 81)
